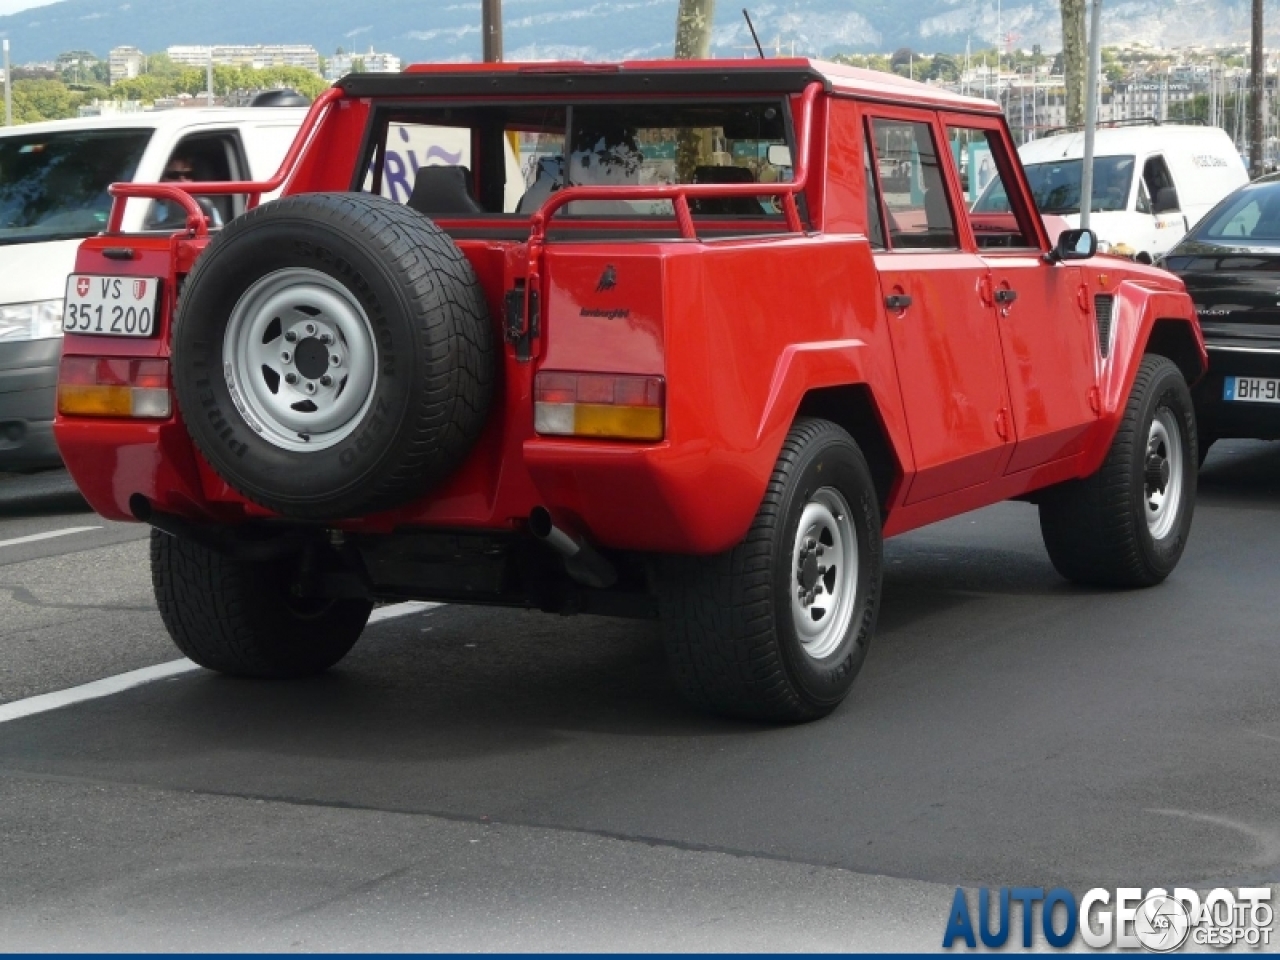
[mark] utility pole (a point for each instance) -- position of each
(1073, 58)
(693, 29)
(208, 79)
(1090, 111)
(491, 28)
(8, 87)
(1258, 80)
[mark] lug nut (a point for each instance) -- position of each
(326, 338)
(819, 550)
(310, 387)
(286, 356)
(810, 543)
(311, 329)
(291, 378)
(335, 360)
(326, 381)
(291, 336)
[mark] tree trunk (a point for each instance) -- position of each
(693, 42)
(1075, 58)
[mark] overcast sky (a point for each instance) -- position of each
(13, 6)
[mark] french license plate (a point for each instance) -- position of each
(1252, 389)
(111, 306)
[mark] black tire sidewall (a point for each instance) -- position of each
(1168, 390)
(832, 461)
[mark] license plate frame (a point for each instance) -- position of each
(105, 306)
(1251, 389)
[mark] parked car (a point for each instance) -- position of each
(53, 193)
(678, 386)
(1230, 263)
(1151, 183)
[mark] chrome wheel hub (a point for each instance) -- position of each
(824, 573)
(1162, 474)
(299, 359)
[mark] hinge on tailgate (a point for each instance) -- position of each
(521, 319)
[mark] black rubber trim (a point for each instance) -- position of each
(622, 81)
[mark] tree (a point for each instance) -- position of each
(1074, 58)
(693, 42)
(943, 67)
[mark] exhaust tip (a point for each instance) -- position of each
(540, 524)
(140, 507)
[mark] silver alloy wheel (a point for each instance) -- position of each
(1162, 474)
(299, 358)
(824, 573)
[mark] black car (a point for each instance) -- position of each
(1230, 262)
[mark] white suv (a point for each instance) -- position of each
(53, 193)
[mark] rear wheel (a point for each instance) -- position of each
(1127, 525)
(238, 617)
(778, 627)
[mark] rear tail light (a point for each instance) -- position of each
(114, 387)
(598, 405)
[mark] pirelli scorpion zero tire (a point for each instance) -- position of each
(778, 627)
(1127, 525)
(332, 355)
(238, 618)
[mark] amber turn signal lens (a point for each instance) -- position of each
(114, 387)
(598, 405)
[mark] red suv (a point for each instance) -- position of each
(656, 340)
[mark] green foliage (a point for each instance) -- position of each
(35, 100)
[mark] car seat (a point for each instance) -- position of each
(725, 206)
(443, 189)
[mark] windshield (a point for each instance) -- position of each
(1056, 186)
(1251, 218)
(53, 186)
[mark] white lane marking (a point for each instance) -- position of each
(161, 671)
(394, 610)
(46, 536)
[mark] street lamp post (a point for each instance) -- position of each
(1090, 112)
(8, 87)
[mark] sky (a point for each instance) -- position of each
(13, 6)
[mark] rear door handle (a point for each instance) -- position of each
(1006, 296)
(897, 301)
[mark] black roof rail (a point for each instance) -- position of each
(1130, 122)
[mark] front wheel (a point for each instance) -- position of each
(1127, 525)
(778, 627)
(238, 617)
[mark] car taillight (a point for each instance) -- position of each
(114, 387)
(598, 405)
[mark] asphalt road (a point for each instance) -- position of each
(478, 779)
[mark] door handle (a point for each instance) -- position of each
(1006, 296)
(897, 301)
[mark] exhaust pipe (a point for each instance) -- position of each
(581, 561)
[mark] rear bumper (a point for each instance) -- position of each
(28, 391)
(1238, 357)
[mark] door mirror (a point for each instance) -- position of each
(1166, 200)
(779, 155)
(1074, 245)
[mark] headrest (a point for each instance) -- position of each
(443, 189)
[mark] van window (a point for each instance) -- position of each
(911, 186)
(53, 186)
(1159, 184)
(1056, 186)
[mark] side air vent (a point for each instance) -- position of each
(1103, 304)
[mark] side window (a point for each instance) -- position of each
(199, 157)
(1164, 196)
(912, 189)
(979, 155)
(1144, 201)
(875, 222)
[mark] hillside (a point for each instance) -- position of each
(598, 29)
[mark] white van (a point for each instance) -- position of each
(1151, 183)
(53, 193)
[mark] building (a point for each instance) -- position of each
(258, 56)
(125, 63)
(340, 64)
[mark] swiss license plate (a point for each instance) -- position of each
(111, 306)
(1252, 389)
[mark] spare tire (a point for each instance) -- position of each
(332, 355)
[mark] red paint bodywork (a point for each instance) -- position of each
(975, 405)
